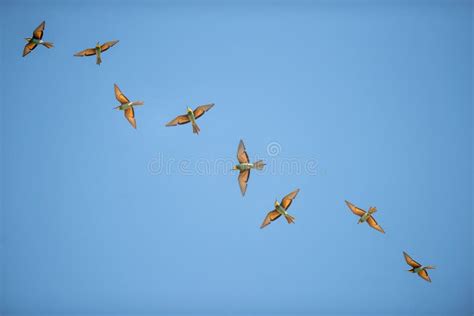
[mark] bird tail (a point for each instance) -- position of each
(290, 219)
(48, 44)
(98, 60)
(430, 267)
(134, 103)
(259, 164)
(196, 128)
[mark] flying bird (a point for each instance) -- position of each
(191, 116)
(418, 268)
(36, 39)
(244, 167)
(126, 106)
(97, 51)
(281, 209)
(366, 216)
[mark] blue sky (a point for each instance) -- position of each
(375, 97)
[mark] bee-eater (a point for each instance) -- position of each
(126, 106)
(281, 209)
(191, 116)
(418, 268)
(36, 39)
(244, 167)
(98, 50)
(365, 216)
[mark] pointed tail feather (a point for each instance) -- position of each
(134, 103)
(290, 219)
(259, 164)
(48, 44)
(98, 60)
(196, 128)
(430, 267)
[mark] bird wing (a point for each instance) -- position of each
(373, 223)
(107, 45)
(244, 176)
(181, 119)
(200, 110)
(86, 52)
(271, 216)
(410, 261)
(242, 156)
(424, 274)
(130, 116)
(357, 211)
(119, 95)
(287, 200)
(38, 32)
(28, 48)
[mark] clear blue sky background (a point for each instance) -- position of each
(376, 93)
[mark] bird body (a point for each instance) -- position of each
(36, 39)
(127, 106)
(97, 51)
(365, 216)
(418, 268)
(281, 209)
(244, 166)
(191, 117)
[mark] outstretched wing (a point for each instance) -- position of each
(86, 52)
(119, 95)
(38, 32)
(424, 275)
(242, 156)
(244, 176)
(200, 110)
(130, 116)
(107, 45)
(28, 48)
(373, 223)
(181, 119)
(287, 200)
(357, 211)
(271, 216)
(410, 261)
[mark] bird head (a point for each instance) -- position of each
(276, 203)
(97, 45)
(372, 210)
(188, 109)
(234, 168)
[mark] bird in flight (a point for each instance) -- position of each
(97, 51)
(281, 209)
(244, 167)
(418, 268)
(126, 106)
(365, 216)
(36, 39)
(191, 116)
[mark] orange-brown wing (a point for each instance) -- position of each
(357, 211)
(243, 179)
(182, 119)
(424, 275)
(373, 223)
(107, 45)
(200, 110)
(130, 116)
(86, 52)
(38, 32)
(271, 216)
(119, 95)
(242, 156)
(410, 261)
(287, 200)
(28, 48)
